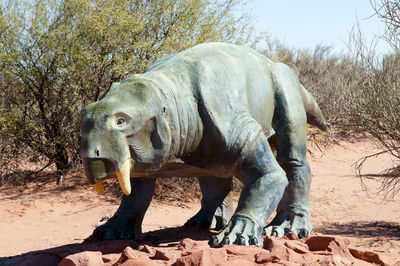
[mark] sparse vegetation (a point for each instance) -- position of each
(375, 105)
(325, 74)
(58, 55)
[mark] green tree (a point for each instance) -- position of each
(58, 55)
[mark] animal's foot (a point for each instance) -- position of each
(202, 219)
(287, 222)
(120, 226)
(241, 231)
(207, 219)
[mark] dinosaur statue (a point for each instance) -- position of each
(207, 112)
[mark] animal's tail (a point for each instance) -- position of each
(314, 114)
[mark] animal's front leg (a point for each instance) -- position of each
(264, 183)
(127, 220)
(216, 204)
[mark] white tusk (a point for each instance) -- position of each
(99, 187)
(124, 178)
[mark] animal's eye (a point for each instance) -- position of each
(120, 121)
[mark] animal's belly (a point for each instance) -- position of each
(180, 169)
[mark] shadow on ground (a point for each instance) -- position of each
(362, 229)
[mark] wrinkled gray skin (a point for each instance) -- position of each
(208, 112)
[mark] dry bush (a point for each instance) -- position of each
(375, 105)
(389, 13)
(358, 92)
(179, 189)
(324, 74)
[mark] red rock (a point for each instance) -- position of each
(320, 243)
(186, 243)
(322, 253)
(111, 259)
(373, 257)
(297, 246)
(192, 246)
(239, 262)
(145, 248)
(338, 246)
(143, 262)
(278, 248)
(163, 255)
(88, 258)
(263, 257)
(207, 256)
(291, 236)
(332, 260)
(242, 250)
(285, 263)
(127, 254)
(40, 259)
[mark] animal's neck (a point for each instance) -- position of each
(179, 105)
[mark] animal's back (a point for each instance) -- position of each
(231, 81)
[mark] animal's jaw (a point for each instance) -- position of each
(98, 170)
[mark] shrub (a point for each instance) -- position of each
(56, 56)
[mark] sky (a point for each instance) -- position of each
(306, 23)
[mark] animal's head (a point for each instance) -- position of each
(124, 134)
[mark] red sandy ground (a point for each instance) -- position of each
(42, 216)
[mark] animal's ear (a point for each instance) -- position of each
(161, 135)
(140, 91)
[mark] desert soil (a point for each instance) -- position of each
(40, 216)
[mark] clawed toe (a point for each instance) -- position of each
(241, 240)
(213, 242)
(303, 233)
(287, 222)
(226, 241)
(240, 231)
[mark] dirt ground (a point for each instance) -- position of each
(41, 216)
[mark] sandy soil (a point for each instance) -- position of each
(40, 216)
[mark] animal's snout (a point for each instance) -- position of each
(97, 169)
(92, 151)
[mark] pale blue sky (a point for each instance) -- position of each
(306, 23)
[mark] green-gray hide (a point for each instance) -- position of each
(207, 112)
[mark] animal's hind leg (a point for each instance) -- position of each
(216, 204)
(293, 211)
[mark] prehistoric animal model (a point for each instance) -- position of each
(207, 112)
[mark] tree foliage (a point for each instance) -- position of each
(58, 55)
